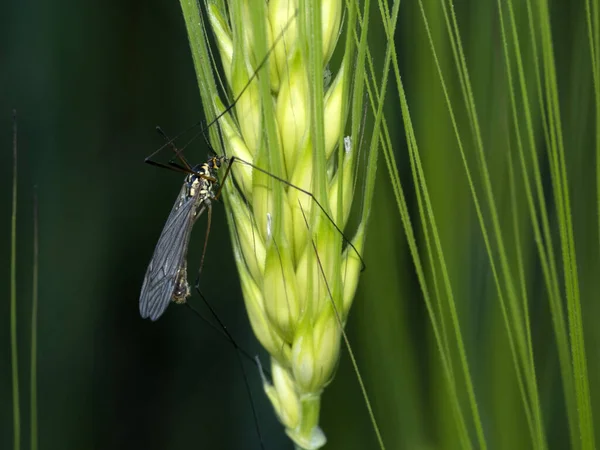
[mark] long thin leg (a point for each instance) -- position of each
(222, 325)
(225, 336)
(169, 143)
(238, 352)
(231, 160)
(225, 331)
(171, 166)
(209, 220)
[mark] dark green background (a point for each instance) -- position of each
(90, 80)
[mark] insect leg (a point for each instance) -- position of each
(178, 155)
(231, 160)
(209, 220)
(224, 331)
(238, 351)
(224, 335)
(171, 166)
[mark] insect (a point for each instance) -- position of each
(166, 277)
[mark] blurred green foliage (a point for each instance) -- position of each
(91, 80)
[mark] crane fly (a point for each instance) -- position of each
(166, 277)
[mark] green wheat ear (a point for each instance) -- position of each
(297, 276)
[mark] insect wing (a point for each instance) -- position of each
(168, 261)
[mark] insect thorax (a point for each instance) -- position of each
(200, 183)
(203, 181)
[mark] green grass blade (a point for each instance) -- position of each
(497, 275)
(13, 299)
(563, 203)
(34, 321)
(428, 216)
(400, 199)
(546, 253)
(593, 25)
(510, 305)
(202, 60)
